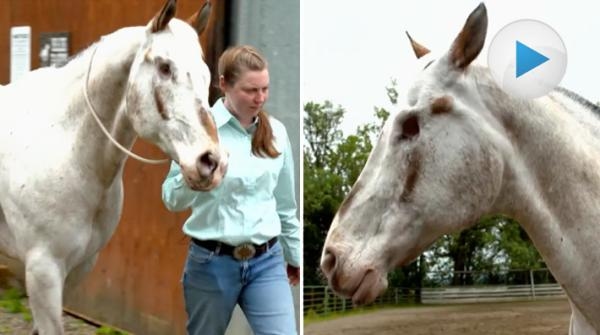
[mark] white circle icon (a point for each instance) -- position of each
(527, 58)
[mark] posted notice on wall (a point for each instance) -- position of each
(54, 49)
(20, 51)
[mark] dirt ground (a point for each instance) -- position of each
(15, 316)
(15, 319)
(547, 317)
(14, 324)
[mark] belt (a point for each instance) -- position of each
(241, 252)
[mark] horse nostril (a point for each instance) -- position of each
(207, 164)
(328, 261)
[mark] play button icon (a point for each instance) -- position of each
(527, 58)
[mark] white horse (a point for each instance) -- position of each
(61, 189)
(463, 148)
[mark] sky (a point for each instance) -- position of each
(351, 50)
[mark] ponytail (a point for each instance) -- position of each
(263, 141)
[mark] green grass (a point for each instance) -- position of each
(105, 330)
(11, 301)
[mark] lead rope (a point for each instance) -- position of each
(93, 111)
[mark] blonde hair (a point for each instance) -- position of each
(232, 64)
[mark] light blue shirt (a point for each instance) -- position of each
(255, 200)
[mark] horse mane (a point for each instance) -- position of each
(584, 112)
(579, 99)
(80, 54)
(79, 62)
(79, 57)
(485, 83)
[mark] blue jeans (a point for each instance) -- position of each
(214, 284)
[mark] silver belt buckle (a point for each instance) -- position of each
(244, 251)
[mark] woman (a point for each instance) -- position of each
(245, 230)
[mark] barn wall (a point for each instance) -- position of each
(135, 284)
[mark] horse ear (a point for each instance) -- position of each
(162, 18)
(419, 50)
(199, 20)
(471, 38)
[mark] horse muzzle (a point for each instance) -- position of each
(362, 284)
(207, 172)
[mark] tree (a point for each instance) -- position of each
(322, 187)
(321, 132)
(483, 254)
(332, 163)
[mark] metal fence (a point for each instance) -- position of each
(531, 285)
(322, 300)
(498, 293)
(502, 277)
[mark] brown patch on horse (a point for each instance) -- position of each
(414, 167)
(209, 124)
(160, 105)
(442, 105)
(346, 203)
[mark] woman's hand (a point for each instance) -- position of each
(293, 274)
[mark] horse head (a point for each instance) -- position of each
(433, 171)
(167, 97)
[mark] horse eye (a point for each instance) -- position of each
(410, 128)
(165, 70)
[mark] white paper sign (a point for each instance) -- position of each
(20, 51)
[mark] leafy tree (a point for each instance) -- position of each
(321, 132)
(483, 254)
(332, 163)
(322, 186)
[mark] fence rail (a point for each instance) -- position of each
(449, 295)
(321, 300)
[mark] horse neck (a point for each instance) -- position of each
(551, 183)
(111, 64)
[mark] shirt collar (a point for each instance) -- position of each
(220, 113)
(222, 116)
